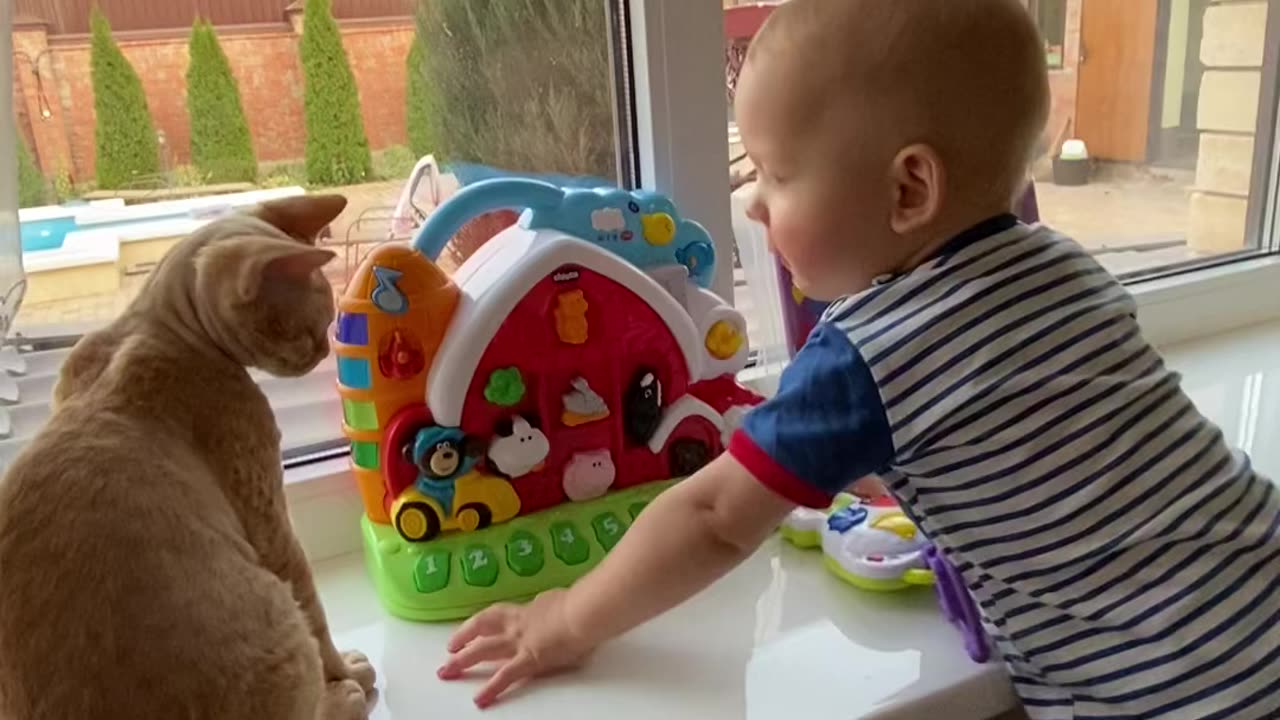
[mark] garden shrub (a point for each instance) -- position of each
(124, 136)
(221, 147)
(337, 150)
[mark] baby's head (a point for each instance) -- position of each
(881, 128)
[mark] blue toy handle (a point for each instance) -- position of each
(478, 199)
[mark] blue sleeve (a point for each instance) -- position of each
(824, 429)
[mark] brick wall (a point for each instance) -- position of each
(266, 65)
(1232, 53)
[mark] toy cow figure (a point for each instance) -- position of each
(518, 447)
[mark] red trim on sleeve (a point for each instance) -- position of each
(773, 476)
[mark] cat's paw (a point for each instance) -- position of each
(360, 669)
(343, 700)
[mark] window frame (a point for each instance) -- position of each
(680, 122)
(1034, 7)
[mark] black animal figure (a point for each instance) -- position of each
(643, 406)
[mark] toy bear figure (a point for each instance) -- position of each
(643, 406)
(442, 455)
(589, 475)
(519, 448)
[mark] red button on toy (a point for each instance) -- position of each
(400, 355)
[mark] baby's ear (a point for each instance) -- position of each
(301, 217)
(275, 263)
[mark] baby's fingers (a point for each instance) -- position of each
(484, 649)
(489, 622)
(519, 668)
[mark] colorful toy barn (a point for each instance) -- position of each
(570, 368)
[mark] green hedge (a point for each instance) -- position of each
(125, 137)
(418, 109)
(221, 147)
(33, 188)
(523, 85)
(337, 148)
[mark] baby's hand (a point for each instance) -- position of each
(525, 640)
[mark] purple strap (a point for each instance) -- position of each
(957, 605)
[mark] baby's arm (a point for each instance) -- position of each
(690, 536)
(827, 424)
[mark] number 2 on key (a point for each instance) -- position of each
(478, 559)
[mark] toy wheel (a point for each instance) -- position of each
(688, 457)
(417, 522)
(474, 516)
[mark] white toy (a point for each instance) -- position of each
(871, 545)
(520, 449)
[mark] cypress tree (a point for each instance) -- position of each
(125, 136)
(337, 150)
(221, 147)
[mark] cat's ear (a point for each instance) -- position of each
(278, 262)
(297, 265)
(301, 217)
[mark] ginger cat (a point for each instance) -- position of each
(147, 564)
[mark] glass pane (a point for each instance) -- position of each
(1051, 18)
(1171, 105)
(408, 100)
(1165, 98)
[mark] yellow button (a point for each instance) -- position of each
(723, 340)
(896, 523)
(659, 228)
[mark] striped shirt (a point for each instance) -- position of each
(1125, 558)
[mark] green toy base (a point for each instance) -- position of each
(459, 574)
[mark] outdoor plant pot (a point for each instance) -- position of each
(1071, 172)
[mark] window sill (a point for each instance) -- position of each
(1208, 302)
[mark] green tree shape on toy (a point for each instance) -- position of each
(337, 147)
(33, 189)
(221, 146)
(125, 137)
(420, 109)
(505, 387)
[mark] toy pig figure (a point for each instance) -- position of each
(589, 475)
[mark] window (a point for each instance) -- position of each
(1051, 18)
(1189, 183)
(1175, 102)
(439, 94)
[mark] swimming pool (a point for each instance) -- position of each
(46, 228)
(51, 233)
(45, 234)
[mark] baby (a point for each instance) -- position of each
(1125, 559)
